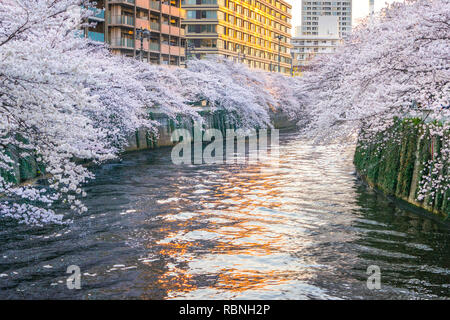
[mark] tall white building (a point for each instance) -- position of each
(371, 7)
(324, 24)
(312, 10)
(306, 47)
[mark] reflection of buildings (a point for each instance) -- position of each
(253, 32)
(118, 21)
(323, 25)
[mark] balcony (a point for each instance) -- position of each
(144, 45)
(172, 30)
(142, 4)
(141, 23)
(174, 11)
(99, 14)
(154, 26)
(173, 50)
(154, 46)
(165, 8)
(165, 28)
(175, 31)
(154, 5)
(165, 48)
(123, 42)
(126, 20)
(131, 2)
(176, 51)
(96, 36)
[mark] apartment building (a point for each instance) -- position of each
(119, 22)
(254, 32)
(312, 10)
(324, 24)
(307, 48)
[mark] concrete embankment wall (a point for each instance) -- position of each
(217, 120)
(26, 168)
(144, 140)
(395, 167)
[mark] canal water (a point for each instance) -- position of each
(305, 229)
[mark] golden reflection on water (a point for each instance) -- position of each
(251, 228)
(305, 229)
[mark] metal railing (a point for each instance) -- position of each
(122, 42)
(154, 46)
(155, 26)
(154, 5)
(128, 20)
(123, 1)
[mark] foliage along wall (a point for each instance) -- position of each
(26, 168)
(396, 165)
(145, 140)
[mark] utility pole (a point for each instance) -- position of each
(142, 33)
(189, 48)
(292, 63)
(279, 51)
(371, 7)
(238, 48)
(243, 54)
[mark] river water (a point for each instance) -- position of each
(305, 229)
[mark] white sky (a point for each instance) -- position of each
(360, 9)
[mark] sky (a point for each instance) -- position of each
(360, 9)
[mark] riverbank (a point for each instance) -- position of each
(26, 170)
(142, 140)
(398, 168)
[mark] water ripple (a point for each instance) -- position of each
(305, 229)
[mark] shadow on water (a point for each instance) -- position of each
(306, 228)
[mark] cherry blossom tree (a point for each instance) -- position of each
(61, 101)
(248, 96)
(65, 100)
(394, 65)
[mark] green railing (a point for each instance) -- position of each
(96, 36)
(98, 13)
